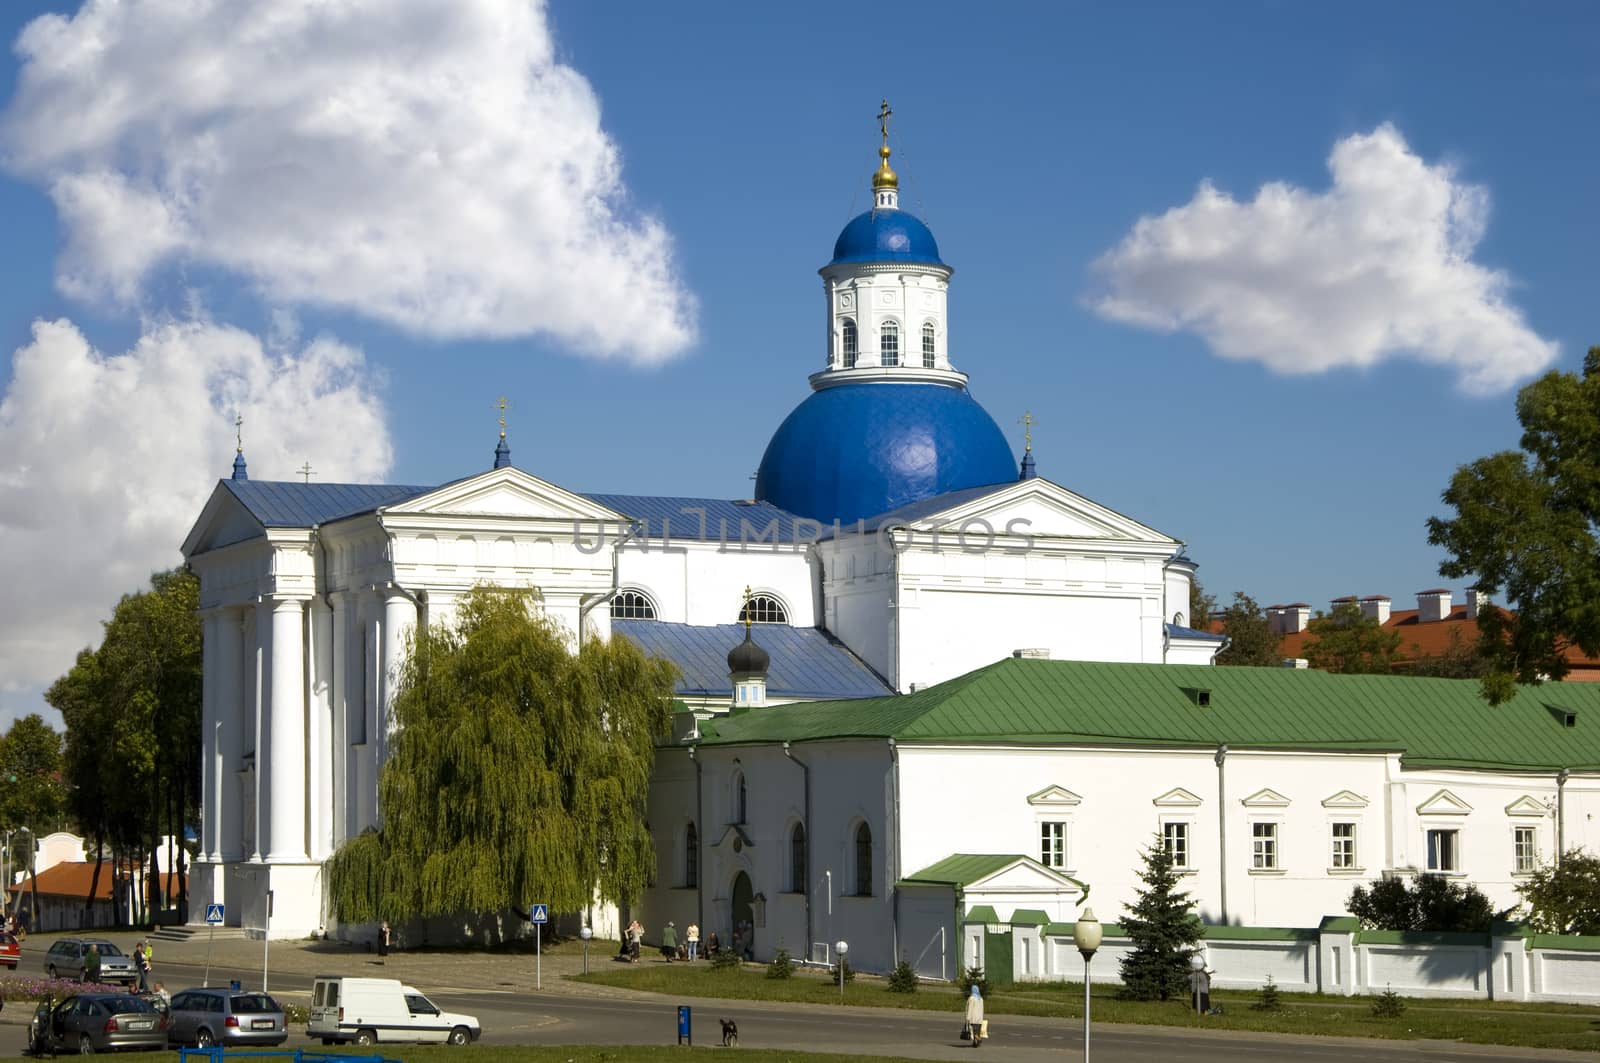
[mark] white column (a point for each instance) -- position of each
(339, 738)
(229, 724)
(259, 722)
(286, 752)
(319, 732)
(210, 767)
(399, 616)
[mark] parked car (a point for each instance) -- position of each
(10, 951)
(67, 959)
(369, 1010)
(101, 1022)
(205, 1017)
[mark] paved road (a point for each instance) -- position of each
(498, 990)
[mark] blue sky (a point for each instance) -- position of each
(1032, 140)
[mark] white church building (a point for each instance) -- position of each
(968, 692)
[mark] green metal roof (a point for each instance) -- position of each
(963, 869)
(1433, 722)
(981, 913)
(1029, 917)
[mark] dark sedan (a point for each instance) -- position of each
(102, 1022)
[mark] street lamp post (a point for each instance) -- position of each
(841, 947)
(1086, 935)
(586, 933)
(1197, 964)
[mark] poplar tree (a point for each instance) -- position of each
(518, 771)
(1164, 929)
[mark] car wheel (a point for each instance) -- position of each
(460, 1036)
(85, 1045)
(366, 1037)
(203, 1039)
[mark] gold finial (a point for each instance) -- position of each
(306, 470)
(238, 434)
(885, 177)
(503, 406)
(1027, 423)
(747, 611)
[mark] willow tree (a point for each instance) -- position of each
(518, 772)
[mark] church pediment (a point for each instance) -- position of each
(1177, 797)
(1443, 803)
(1045, 510)
(1527, 805)
(505, 492)
(1265, 798)
(1054, 797)
(224, 521)
(1344, 799)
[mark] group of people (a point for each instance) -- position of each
(671, 948)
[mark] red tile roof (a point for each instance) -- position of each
(73, 878)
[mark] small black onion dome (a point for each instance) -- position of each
(748, 657)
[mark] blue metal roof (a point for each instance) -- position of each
(806, 661)
(929, 506)
(673, 517)
(856, 450)
(1177, 632)
(285, 504)
(886, 236)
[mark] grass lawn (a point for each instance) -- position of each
(1486, 1022)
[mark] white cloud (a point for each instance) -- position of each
(427, 163)
(1378, 266)
(106, 460)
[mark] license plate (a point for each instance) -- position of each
(144, 1025)
(261, 1024)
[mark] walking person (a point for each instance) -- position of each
(635, 934)
(141, 960)
(976, 1026)
(91, 965)
(383, 942)
(693, 937)
(669, 941)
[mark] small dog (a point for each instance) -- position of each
(730, 1033)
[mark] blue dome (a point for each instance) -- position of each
(857, 450)
(886, 236)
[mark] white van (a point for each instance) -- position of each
(369, 1010)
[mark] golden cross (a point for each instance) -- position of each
(884, 114)
(747, 611)
(238, 433)
(306, 470)
(504, 406)
(1027, 423)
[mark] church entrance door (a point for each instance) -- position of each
(744, 929)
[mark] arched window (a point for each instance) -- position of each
(764, 609)
(691, 858)
(741, 802)
(863, 861)
(849, 344)
(889, 344)
(632, 605)
(797, 859)
(927, 346)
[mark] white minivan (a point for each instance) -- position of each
(370, 1010)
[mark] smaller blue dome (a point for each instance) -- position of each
(886, 236)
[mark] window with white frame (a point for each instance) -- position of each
(889, 344)
(1053, 843)
(850, 344)
(740, 798)
(632, 605)
(1444, 850)
(1343, 839)
(929, 361)
(863, 861)
(1264, 846)
(763, 609)
(1175, 840)
(1525, 849)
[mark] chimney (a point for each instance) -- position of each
(1275, 619)
(1376, 607)
(1032, 653)
(1434, 605)
(1296, 617)
(1476, 600)
(1349, 599)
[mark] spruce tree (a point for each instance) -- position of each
(1164, 929)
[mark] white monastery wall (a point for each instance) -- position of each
(703, 583)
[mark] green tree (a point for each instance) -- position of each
(518, 772)
(34, 794)
(1164, 929)
(1433, 903)
(1201, 606)
(1351, 643)
(1251, 640)
(1565, 899)
(1525, 526)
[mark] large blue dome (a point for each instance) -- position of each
(857, 450)
(886, 236)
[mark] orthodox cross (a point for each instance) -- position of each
(884, 114)
(1027, 423)
(306, 470)
(238, 433)
(503, 406)
(747, 611)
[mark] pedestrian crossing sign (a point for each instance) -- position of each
(214, 914)
(541, 913)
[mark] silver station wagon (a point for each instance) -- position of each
(228, 1017)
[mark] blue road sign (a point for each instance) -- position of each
(541, 913)
(214, 914)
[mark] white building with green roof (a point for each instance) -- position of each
(904, 824)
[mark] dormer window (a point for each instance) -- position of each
(632, 605)
(889, 344)
(849, 345)
(928, 360)
(764, 609)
